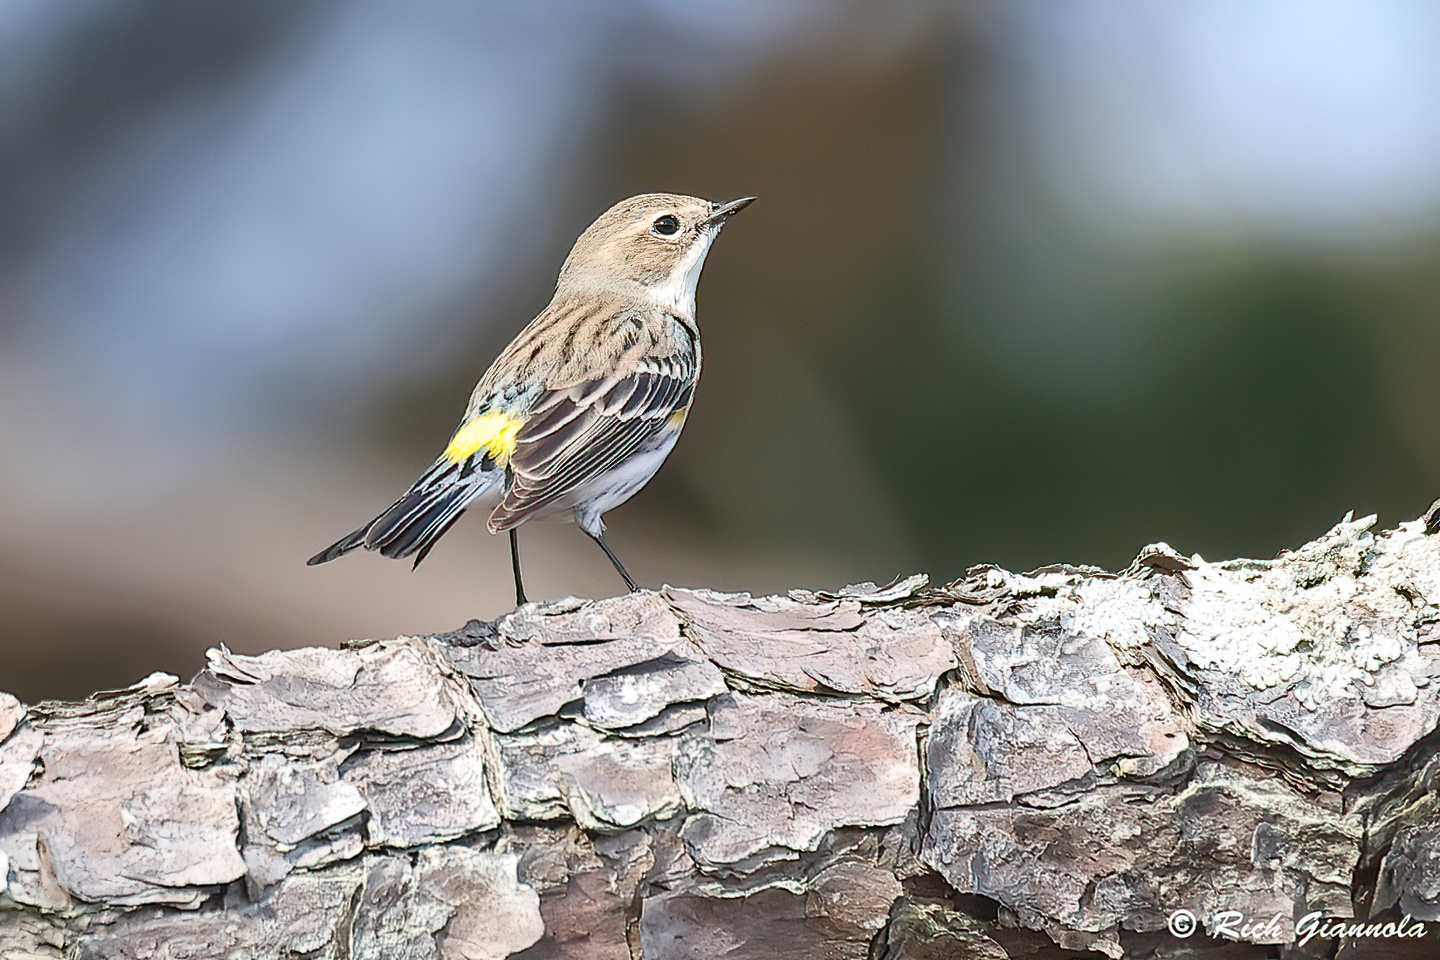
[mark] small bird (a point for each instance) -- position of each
(581, 409)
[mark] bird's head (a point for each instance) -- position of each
(657, 241)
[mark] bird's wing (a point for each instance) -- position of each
(578, 433)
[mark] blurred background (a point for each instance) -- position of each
(1027, 282)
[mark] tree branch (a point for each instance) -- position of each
(1053, 761)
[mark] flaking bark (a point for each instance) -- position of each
(1015, 765)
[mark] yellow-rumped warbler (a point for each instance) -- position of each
(578, 413)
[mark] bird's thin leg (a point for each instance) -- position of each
(629, 581)
(515, 562)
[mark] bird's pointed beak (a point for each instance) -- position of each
(727, 210)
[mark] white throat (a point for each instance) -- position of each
(678, 289)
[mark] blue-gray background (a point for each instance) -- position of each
(1027, 282)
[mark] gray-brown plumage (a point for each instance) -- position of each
(583, 406)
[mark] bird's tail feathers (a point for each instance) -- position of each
(412, 524)
(340, 547)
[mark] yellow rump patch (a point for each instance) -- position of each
(494, 432)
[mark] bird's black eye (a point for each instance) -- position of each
(667, 226)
